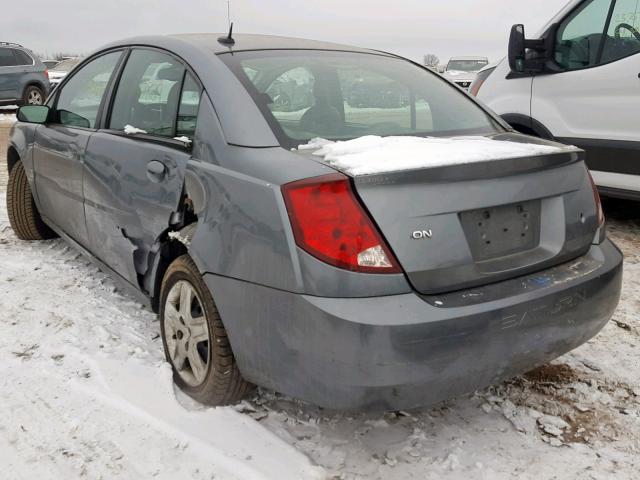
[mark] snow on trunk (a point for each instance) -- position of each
(372, 154)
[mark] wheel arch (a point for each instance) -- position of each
(34, 83)
(527, 125)
(13, 157)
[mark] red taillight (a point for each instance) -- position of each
(596, 196)
(46, 74)
(329, 223)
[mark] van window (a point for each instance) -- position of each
(149, 93)
(580, 35)
(623, 35)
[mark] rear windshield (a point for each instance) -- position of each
(343, 95)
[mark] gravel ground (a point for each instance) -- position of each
(86, 361)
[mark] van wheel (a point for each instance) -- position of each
(195, 340)
(23, 213)
(33, 96)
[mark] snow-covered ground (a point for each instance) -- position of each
(84, 393)
(7, 118)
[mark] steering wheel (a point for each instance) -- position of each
(626, 26)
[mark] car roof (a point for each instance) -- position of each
(243, 42)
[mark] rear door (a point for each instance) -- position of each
(135, 167)
(594, 103)
(9, 75)
(59, 150)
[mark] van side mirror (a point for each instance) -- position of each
(33, 114)
(517, 49)
(528, 57)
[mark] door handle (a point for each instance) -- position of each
(156, 171)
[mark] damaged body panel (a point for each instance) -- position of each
(386, 289)
(126, 209)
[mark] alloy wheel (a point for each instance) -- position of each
(187, 333)
(34, 98)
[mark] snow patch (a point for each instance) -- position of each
(184, 139)
(7, 118)
(180, 238)
(373, 154)
(131, 130)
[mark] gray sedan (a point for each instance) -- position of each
(386, 253)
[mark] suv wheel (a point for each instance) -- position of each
(23, 214)
(195, 340)
(33, 96)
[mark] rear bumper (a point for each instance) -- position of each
(403, 351)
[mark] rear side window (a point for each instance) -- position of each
(344, 95)
(188, 110)
(22, 58)
(150, 94)
(7, 59)
(80, 97)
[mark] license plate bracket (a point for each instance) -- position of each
(497, 232)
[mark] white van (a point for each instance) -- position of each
(579, 83)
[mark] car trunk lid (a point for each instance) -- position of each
(459, 226)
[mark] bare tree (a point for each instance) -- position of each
(431, 60)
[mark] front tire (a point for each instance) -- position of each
(195, 340)
(23, 213)
(33, 96)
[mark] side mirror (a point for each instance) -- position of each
(528, 57)
(33, 114)
(517, 49)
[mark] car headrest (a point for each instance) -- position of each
(172, 74)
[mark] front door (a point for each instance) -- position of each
(594, 103)
(59, 147)
(135, 168)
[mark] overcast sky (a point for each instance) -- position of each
(408, 27)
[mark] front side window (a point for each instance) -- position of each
(80, 97)
(149, 93)
(343, 95)
(580, 35)
(7, 59)
(623, 34)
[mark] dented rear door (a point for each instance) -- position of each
(132, 187)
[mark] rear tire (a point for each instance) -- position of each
(33, 96)
(195, 340)
(23, 213)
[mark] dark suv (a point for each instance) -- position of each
(23, 77)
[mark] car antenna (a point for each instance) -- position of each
(228, 40)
